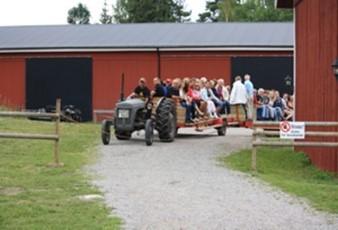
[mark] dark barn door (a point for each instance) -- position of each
(67, 78)
(266, 72)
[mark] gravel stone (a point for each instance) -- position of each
(180, 186)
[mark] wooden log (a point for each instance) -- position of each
(302, 144)
(309, 133)
(307, 123)
(30, 136)
(27, 114)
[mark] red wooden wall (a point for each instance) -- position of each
(316, 85)
(107, 72)
(12, 82)
(211, 65)
(108, 68)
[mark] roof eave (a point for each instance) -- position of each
(144, 49)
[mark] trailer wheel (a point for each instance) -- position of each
(149, 132)
(166, 121)
(221, 131)
(105, 132)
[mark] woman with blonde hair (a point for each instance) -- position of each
(195, 94)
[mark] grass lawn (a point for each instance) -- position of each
(34, 196)
(293, 173)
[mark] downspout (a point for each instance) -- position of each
(158, 62)
(294, 64)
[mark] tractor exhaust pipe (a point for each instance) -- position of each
(122, 88)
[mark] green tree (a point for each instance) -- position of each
(179, 13)
(105, 17)
(120, 11)
(150, 11)
(78, 15)
(251, 10)
(211, 12)
(227, 9)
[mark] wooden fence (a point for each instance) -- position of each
(51, 137)
(271, 129)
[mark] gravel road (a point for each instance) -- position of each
(179, 186)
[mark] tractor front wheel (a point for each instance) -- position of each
(149, 135)
(105, 132)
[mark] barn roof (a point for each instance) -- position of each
(193, 36)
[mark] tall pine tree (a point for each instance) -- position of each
(105, 17)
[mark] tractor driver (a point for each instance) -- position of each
(141, 91)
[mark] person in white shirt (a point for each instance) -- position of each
(238, 94)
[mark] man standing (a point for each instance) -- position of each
(250, 95)
(238, 94)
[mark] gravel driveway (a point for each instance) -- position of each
(179, 186)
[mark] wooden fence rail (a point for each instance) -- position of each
(52, 137)
(259, 131)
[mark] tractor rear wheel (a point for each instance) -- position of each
(166, 121)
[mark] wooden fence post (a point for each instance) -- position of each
(254, 151)
(56, 162)
(56, 117)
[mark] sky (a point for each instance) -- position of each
(54, 12)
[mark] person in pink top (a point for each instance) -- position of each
(195, 94)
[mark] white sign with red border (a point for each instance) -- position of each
(292, 130)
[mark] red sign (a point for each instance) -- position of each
(285, 126)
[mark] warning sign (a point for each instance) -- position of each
(292, 130)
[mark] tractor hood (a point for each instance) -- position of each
(131, 103)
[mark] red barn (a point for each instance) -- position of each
(316, 85)
(83, 64)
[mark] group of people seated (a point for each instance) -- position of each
(199, 96)
(271, 106)
(203, 98)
